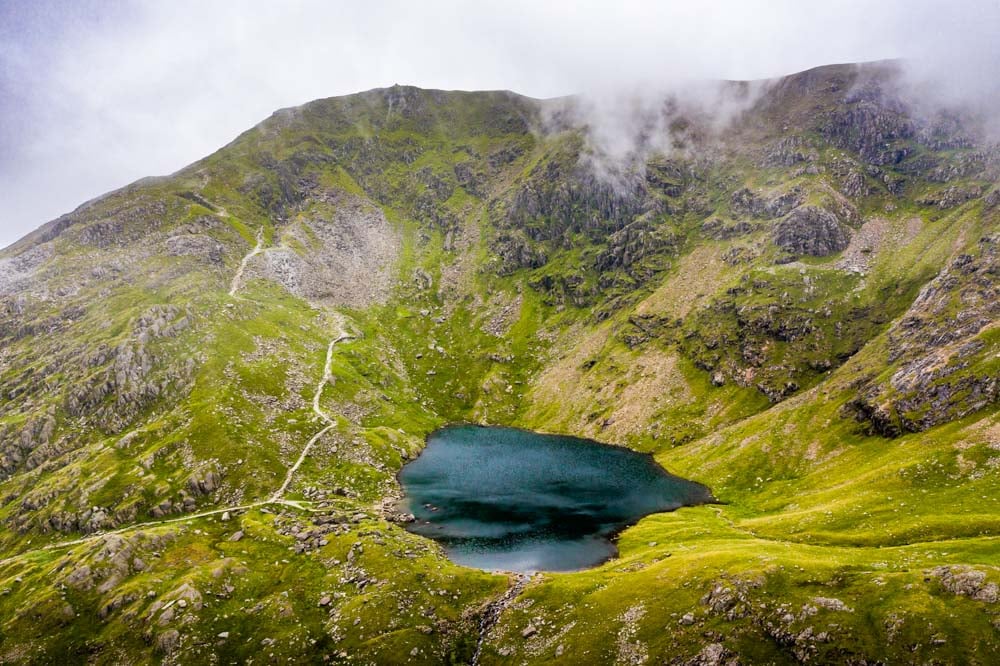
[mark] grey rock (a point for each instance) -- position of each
(713, 654)
(168, 642)
(719, 230)
(746, 203)
(204, 484)
(993, 198)
(811, 230)
(197, 245)
(81, 578)
(831, 604)
(951, 197)
(872, 122)
(929, 387)
(967, 582)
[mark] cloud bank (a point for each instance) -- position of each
(94, 95)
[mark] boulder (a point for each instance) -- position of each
(168, 641)
(967, 582)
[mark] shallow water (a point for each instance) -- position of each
(502, 498)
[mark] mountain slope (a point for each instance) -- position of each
(209, 381)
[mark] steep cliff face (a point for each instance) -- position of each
(795, 305)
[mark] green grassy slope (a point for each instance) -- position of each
(831, 376)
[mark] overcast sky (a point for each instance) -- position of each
(96, 94)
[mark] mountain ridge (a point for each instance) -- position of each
(796, 309)
(375, 91)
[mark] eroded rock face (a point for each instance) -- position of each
(349, 258)
(17, 444)
(787, 151)
(942, 371)
(515, 251)
(635, 242)
(746, 203)
(131, 373)
(16, 271)
(197, 245)
(872, 122)
(812, 231)
(557, 199)
(129, 222)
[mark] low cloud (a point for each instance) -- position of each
(94, 95)
(625, 127)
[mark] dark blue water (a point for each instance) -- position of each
(501, 498)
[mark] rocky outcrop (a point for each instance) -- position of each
(17, 271)
(196, 245)
(718, 229)
(132, 220)
(108, 562)
(943, 362)
(566, 201)
(786, 152)
(19, 443)
(967, 582)
(747, 203)
(872, 122)
(562, 196)
(993, 198)
(515, 251)
(131, 378)
(346, 257)
(669, 177)
(204, 483)
(854, 184)
(279, 187)
(572, 287)
(627, 247)
(950, 197)
(812, 231)
(89, 520)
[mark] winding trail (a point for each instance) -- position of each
(318, 410)
(238, 278)
(495, 609)
(139, 526)
(278, 497)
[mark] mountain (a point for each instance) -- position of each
(784, 290)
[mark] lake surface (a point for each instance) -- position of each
(513, 500)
